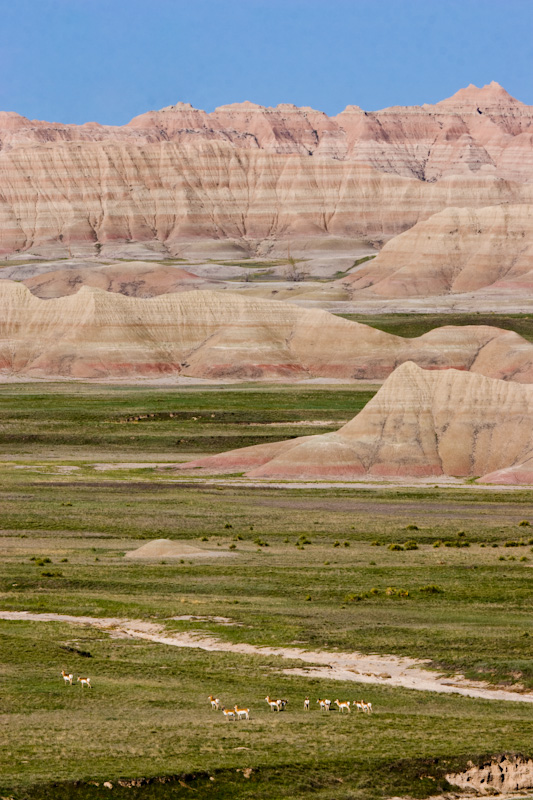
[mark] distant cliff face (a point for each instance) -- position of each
(256, 173)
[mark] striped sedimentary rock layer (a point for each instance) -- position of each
(205, 334)
(252, 173)
(419, 424)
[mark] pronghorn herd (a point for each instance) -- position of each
(68, 677)
(278, 705)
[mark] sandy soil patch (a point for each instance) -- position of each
(166, 548)
(408, 673)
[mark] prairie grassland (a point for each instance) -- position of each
(310, 567)
(412, 325)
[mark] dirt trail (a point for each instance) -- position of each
(408, 673)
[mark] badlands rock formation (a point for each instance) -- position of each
(419, 424)
(455, 251)
(97, 334)
(135, 279)
(254, 174)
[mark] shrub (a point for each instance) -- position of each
(524, 558)
(228, 525)
(354, 598)
(375, 543)
(237, 537)
(261, 542)
(461, 533)
(346, 544)
(438, 543)
(432, 588)
(391, 591)
(523, 523)
(304, 540)
(395, 546)
(411, 545)
(336, 544)
(412, 528)
(233, 547)
(512, 543)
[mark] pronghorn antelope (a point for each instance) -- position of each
(67, 677)
(228, 713)
(367, 707)
(328, 703)
(323, 705)
(282, 704)
(242, 712)
(215, 702)
(343, 705)
(358, 705)
(306, 704)
(85, 682)
(274, 704)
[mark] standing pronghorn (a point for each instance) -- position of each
(282, 704)
(215, 702)
(323, 705)
(306, 704)
(343, 705)
(67, 677)
(274, 704)
(367, 707)
(228, 713)
(85, 682)
(359, 705)
(241, 712)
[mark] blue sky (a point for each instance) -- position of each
(109, 60)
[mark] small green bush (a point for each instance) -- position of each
(432, 588)
(412, 528)
(523, 523)
(411, 545)
(395, 546)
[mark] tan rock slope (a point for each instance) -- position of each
(256, 174)
(455, 251)
(204, 334)
(135, 279)
(419, 424)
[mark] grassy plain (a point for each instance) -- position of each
(412, 325)
(306, 567)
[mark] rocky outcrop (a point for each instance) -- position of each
(217, 335)
(503, 775)
(455, 251)
(251, 173)
(419, 424)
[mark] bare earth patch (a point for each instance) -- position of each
(165, 548)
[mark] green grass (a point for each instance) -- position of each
(411, 325)
(342, 274)
(148, 715)
(47, 420)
